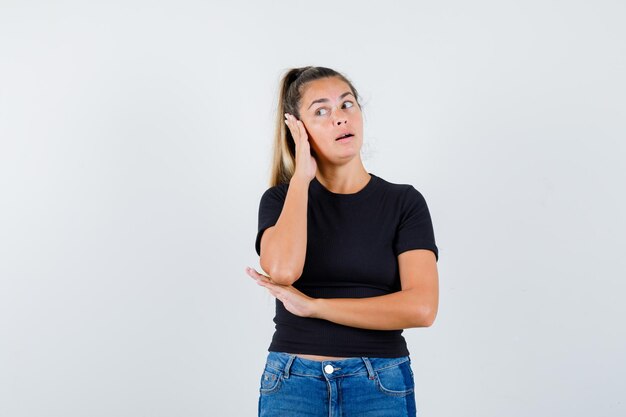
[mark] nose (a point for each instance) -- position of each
(340, 118)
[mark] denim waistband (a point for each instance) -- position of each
(289, 363)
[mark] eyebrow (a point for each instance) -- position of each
(323, 100)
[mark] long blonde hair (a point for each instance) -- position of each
(292, 86)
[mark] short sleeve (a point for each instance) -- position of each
(270, 207)
(415, 229)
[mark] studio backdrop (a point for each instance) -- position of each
(135, 144)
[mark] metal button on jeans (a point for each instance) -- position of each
(329, 369)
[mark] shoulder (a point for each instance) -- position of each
(275, 193)
(402, 193)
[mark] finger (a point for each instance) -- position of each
(258, 276)
(293, 128)
(302, 129)
(287, 121)
(251, 271)
(255, 274)
(262, 281)
(265, 283)
(277, 296)
(270, 287)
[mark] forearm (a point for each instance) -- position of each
(284, 248)
(399, 310)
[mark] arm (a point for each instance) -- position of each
(283, 246)
(414, 306)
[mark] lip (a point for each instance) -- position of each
(345, 133)
(344, 140)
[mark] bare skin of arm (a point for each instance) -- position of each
(283, 246)
(415, 305)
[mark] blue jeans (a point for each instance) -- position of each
(378, 387)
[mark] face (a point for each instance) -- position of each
(328, 110)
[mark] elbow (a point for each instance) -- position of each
(284, 277)
(280, 274)
(424, 317)
(429, 319)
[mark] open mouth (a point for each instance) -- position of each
(347, 135)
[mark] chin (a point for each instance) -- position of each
(347, 156)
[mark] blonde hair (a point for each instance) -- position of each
(292, 85)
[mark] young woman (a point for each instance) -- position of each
(350, 257)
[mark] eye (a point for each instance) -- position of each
(348, 104)
(317, 113)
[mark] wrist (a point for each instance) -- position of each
(301, 179)
(318, 308)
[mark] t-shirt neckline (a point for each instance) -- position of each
(319, 188)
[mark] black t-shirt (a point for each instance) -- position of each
(353, 241)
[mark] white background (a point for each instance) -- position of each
(135, 142)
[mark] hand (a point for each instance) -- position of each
(305, 162)
(294, 301)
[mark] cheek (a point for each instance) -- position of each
(313, 142)
(314, 132)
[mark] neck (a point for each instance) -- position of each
(344, 179)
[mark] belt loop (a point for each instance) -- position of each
(368, 365)
(288, 366)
